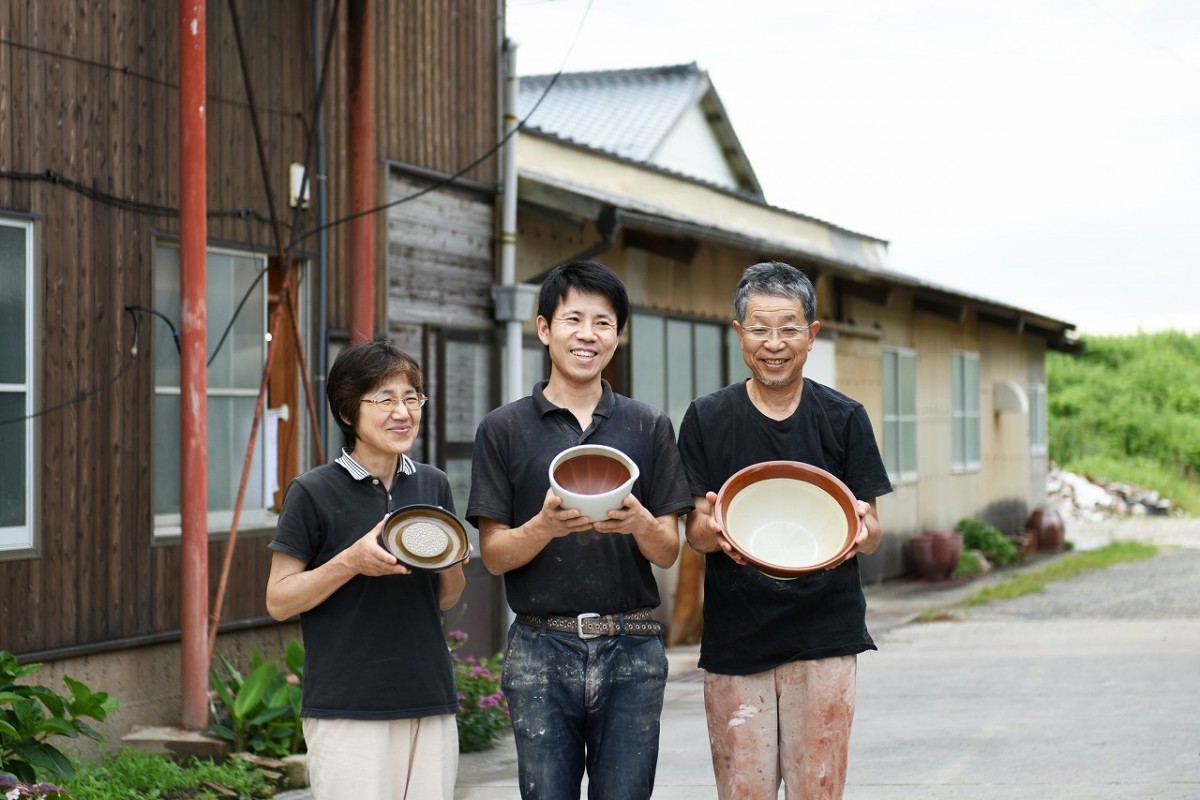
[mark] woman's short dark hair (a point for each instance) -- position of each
(357, 370)
(587, 277)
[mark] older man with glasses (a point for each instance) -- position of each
(779, 655)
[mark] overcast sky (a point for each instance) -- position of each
(1043, 153)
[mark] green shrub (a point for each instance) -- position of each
(135, 774)
(482, 708)
(987, 539)
(30, 716)
(260, 713)
(968, 565)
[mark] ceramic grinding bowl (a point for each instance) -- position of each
(787, 518)
(592, 478)
(425, 537)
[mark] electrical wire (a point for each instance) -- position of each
(451, 178)
(130, 73)
(133, 351)
(149, 208)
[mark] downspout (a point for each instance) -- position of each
(360, 72)
(193, 357)
(513, 301)
(607, 224)
(320, 185)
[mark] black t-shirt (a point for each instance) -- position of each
(581, 572)
(374, 650)
(753, 622)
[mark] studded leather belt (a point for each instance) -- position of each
(589, 625)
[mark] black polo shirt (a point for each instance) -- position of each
(588, 571)
(374, 649)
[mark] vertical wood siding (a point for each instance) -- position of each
(88, 93)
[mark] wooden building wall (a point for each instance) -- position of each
(437, 89)
(89, 148)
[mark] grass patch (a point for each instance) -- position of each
(133, 773)
(1066, 567)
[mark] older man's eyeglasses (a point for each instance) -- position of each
(389, 403)
(786, 333)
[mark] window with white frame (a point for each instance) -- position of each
(238, 290)
(673, 361)
(1039, 429)
(16, 386)
(900, 413)
(964, 402)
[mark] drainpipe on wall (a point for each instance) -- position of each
(320, 186)
(193, 357)
(513, 301)
(361, 74)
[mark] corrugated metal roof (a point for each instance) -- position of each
(628, 113)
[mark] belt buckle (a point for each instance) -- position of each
(579, 618)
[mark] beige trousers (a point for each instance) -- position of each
(403, 759)
(791, 723)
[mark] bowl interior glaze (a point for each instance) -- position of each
(592, 478)
(425, 537)
(591, 473)
(787, 518)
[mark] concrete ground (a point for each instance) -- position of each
(1090, 689)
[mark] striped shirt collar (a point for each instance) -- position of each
(358, 471)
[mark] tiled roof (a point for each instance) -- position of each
(625, 112)
(628, 113)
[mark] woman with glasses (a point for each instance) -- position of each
(379, 693)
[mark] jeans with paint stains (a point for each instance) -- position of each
(577, 703)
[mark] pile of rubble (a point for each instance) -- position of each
(1081, 497)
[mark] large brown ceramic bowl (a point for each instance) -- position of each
(425, 537)
(787, 518)
(592, 478)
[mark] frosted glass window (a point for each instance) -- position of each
(1039, 430)
(680, 354)
(648, 356)
(674, 361)
(234, 376)
(964, 396)
(900, 414)
(16, 386)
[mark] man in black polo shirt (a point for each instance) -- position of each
(585, 670)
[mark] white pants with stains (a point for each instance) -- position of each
(789, 724)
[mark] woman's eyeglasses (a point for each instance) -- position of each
(389, 404)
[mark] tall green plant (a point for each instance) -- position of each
(31, 716)
(260, 712)
(1128, 409)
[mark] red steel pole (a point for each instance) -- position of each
(361, 73)
(193, 380)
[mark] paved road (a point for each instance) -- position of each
(1088, 691)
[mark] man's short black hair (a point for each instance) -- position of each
(587, 277)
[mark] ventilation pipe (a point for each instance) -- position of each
(513, 301)
(361, 74)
